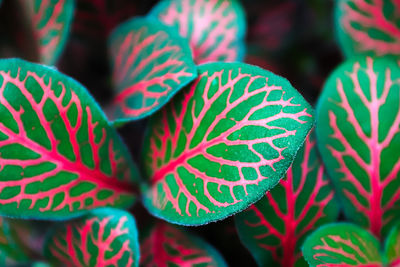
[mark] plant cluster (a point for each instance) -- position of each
(223, 138)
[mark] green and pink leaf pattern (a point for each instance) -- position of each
(104, 237)
(274, 228)
(358, 136)
(166, 245)
(342, 244)
(11, 253)
(59, 156)
(222, 143)
(392, 246)
(150, 64)
(50, 21)
(368, 27)
(215, 29)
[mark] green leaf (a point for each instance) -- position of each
(342, 244)
(59, 156)
(11, 253)
(358, 135)
(150, 64)
(368, 27)
(50, 21)
(167, 245)
(215, 29)
(392, 246)
(274, 228)
(222, 143)
(103, 237)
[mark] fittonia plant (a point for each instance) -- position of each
(344, 244)
(274, 228)
(368, 27)
(223, 137)
(358, 137)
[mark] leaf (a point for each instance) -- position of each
(368, 27)
(222, 143)
(358, 118)
(58, 154)
(215, 29)
(166, 245)
(11, 254)
(274, 228)
(392, 246)
(50, 21)
(103, 237)
(341, 244)
(150, 64)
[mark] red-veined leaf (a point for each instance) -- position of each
(342, 244)
(150, 64)
(222, 143)
(392, 247)
(274, 228)
(165, 245)
(11, 253)
(103, 237)
(50, 21)
(215, 29)
(59, 156)
(358, 134)
(368, 27)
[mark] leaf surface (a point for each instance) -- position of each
(222, 143)
(392, 246)
(215, 29)
(358, 137)
(342, 244)
(274, 228)
(368, 27)
(165, 245)
(103, 237)
(59, 156)
(50, 22)
(150, 64)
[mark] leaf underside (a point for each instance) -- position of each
(215, 29)
(104, 237)
(59, 156)
(150, 64)
(274, 228)
(342, 244)
(50, 22)
(358, 134)
(166, 245)
(222, 143)
(368, 27)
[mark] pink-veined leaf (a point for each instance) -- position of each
(11, 253)
(166, 245)
(150, 64)
(392, 247)
(358, 136)
(215, 29)
(59, 156)
(50, 22)
(274, 228)
(103, 237)
(222, 143)
(368, 27)
(340, 245)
